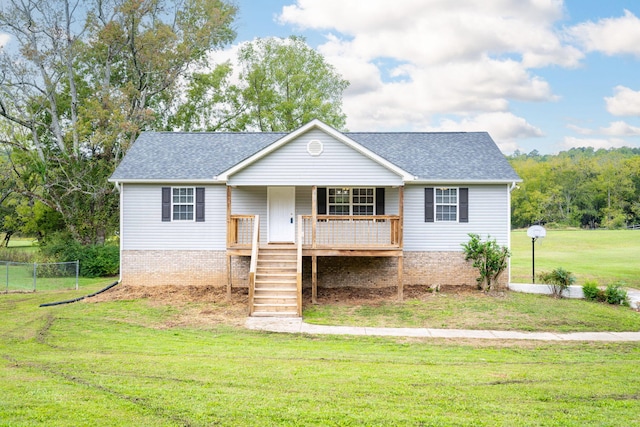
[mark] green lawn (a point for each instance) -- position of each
(127, 363)
(477, 310)
(603, 255)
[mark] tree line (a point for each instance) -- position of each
(79, 81)
(581, 187)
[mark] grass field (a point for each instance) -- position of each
(476, 310)
(127, 363)
(604, 255)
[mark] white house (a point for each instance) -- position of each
(314, 207)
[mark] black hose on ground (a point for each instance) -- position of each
(69, 301)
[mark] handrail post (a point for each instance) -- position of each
(254, 261)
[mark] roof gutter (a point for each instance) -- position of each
(463, 181)
(166, 181)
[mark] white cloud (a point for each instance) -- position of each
(464, 57)
(610, 35)
(618, 128)
(4, 39)
(596, 143)
(624, 102)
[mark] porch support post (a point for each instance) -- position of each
(400, 284)
(314, 279)
(400, 214)
(314, 214)
(229, 275)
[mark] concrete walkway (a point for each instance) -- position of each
(634, 298)
(297, 325)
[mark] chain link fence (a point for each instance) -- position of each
(22, 276)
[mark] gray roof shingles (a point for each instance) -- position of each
(438, 156)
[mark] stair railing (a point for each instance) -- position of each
(255, 241)
(300, 240)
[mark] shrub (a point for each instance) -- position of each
(488, 257)
(558, 280)
(95, 260)
(592, 291)
(100, 261)
(614, 294)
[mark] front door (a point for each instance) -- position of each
(282, 203)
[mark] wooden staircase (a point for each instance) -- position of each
(275, 292)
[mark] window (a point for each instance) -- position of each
(446, 204)
(363, 201)
(339, 201)
(351, 201)
(182, 204)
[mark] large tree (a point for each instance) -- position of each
(282, 84)
(83, 78)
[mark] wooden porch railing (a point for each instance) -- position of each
(358, 231)
(255, 242)
(240, 230)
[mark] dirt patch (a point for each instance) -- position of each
(172, 293)
(208, 305)
(200, 306)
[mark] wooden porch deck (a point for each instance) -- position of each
(317, 235)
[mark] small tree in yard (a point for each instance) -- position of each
(488, 257)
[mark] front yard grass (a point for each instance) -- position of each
(126, 362)
(476, 310)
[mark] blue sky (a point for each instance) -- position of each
(539, 74)
(544, 75)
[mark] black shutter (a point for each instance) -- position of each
(199, 204)
(428, 205)
(322, 201)
(463, 206)
(379, 201)
(166, 204)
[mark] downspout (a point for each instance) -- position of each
(120, 189)
(513, 187)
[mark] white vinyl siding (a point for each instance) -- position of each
(488, 215)
(338, 166)
(142, 227)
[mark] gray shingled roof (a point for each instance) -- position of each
(166, 156)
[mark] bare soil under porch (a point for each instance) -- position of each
(194, 300)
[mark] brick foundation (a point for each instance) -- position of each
(151, 268)
(209, 268)
(419, 268)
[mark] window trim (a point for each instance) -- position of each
(192, 204)
(436, 204)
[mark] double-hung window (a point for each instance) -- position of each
(182, 203)
(446, 204)
(351, 201)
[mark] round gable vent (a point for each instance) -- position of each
(314, 147)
